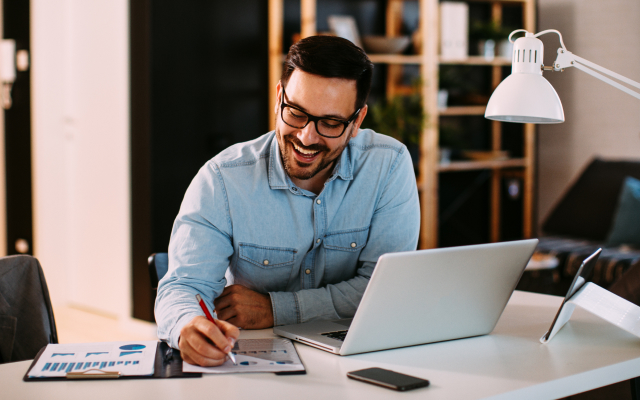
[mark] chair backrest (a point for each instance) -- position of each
(26, 317)
(158, 267)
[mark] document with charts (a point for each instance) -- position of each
(128, 358)
(256, 355)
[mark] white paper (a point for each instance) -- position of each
(604, 304)
(129, 358)
(256, 355)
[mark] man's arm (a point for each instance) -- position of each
(394, 227)
(202, 223)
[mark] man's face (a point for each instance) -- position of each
(304, 152)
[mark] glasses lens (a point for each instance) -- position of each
(298, 119)
(294, 118)
(330, 128)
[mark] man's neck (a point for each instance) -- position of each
(316, 183)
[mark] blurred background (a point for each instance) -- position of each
(121, 102)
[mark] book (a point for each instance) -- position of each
(454, 30)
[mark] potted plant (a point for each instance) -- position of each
(401, 117)
(491, 36)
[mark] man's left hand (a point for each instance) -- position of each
(244, 308)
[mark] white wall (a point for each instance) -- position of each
(600, 120)
(80, 92)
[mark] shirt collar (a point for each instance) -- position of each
(278, 178)
(277, 174)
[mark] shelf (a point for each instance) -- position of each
(477, 60)
(462, 110)
(416, 59)
(499, 1)
(475, 165)
(395, 59)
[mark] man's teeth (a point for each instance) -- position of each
(303, 151)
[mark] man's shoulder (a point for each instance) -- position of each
(245, 153)
(368, 140)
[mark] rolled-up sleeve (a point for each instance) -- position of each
(200, 250)
(395, 227)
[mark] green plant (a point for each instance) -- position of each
(489, 31)
(401, 117)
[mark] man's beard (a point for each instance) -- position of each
(326, 160)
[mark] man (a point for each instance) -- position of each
(298, 216)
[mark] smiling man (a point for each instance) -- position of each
(288, 227)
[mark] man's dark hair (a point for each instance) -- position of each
(331, 57)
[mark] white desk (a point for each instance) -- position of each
(508, 364)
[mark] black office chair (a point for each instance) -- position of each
(158, 267)
(26, 316)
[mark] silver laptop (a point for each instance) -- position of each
(424, 296)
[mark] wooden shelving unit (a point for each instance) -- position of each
(429, 62)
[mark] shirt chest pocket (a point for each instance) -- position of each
(341, 251)
(263, 268)
(351, 240)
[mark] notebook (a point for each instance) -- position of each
(424, 296)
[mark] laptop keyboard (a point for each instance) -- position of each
(338, 335)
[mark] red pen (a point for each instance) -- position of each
(232, 357)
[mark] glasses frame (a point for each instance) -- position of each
(314, 119)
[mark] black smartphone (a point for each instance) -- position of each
(388, 379)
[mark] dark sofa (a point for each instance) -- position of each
(580, 224)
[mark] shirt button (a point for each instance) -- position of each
(307, 271)
(319, 201)
(266, 262)
(318, 241)
(353, 244)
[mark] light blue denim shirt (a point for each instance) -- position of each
(313, 254)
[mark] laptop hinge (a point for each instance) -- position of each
(316, 344)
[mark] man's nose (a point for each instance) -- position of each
(308, 135)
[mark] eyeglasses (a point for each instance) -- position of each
(327, 127)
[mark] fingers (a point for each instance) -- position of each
(201, 342)
(224, 300)
(229, 330)
(193, 356)
(225, 313)
(212, 332)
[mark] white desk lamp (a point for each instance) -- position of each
(526, 97)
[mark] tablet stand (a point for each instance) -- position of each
(602, 303)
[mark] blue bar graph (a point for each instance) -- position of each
(46, 366)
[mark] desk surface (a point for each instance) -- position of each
(510, 363)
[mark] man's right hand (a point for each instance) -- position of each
(206, 344)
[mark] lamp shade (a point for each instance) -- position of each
(526, 96)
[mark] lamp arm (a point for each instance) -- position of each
(567, 59)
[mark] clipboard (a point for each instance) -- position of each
(167, 364)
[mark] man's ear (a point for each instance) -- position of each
(278, 96)
(358, 120)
